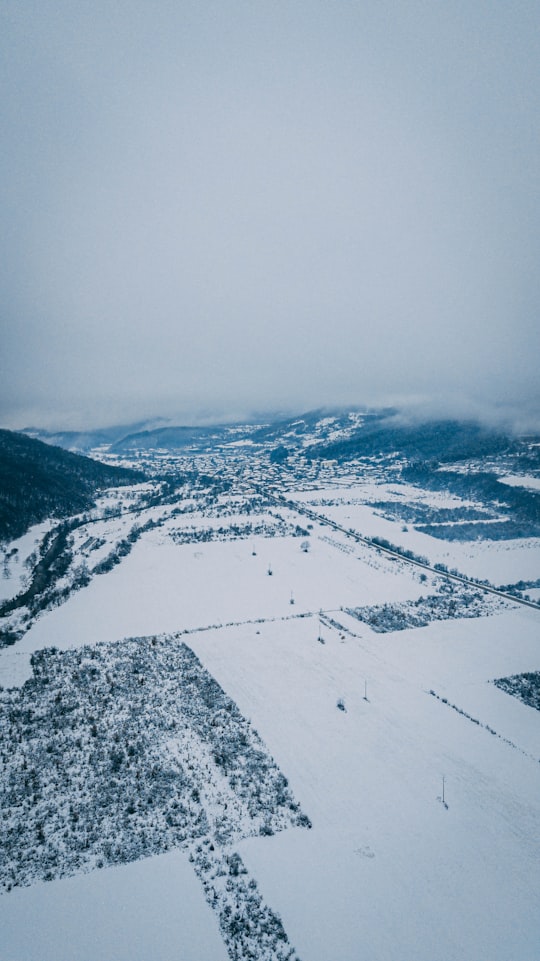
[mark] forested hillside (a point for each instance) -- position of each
(39, 481)
(445, 441)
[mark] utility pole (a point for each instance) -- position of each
(365, 690)
(443, 780)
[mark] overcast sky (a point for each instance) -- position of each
(214, 208)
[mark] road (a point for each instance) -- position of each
(282, 501)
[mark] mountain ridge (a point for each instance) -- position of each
(38, 480)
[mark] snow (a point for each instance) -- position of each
(387, 872)
(15, 667)
(500, 562)
(364, 493)
(24, 547)
(148, 909)
(164, 587)
(521, 480)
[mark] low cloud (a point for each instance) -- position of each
(241, 208)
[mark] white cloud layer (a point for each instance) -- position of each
(211, 209)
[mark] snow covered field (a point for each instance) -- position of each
(365, 726)
(500, 562)
(164, 587)
(147, 909)
(387, 871)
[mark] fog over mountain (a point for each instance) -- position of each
(212, 209)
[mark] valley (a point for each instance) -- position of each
(279, 677)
